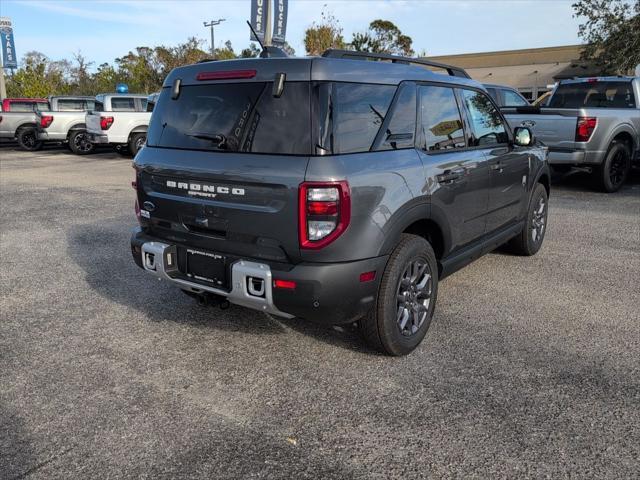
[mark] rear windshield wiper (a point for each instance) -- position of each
(218, 140)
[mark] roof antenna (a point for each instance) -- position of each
(255, 35)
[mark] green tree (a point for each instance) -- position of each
(383, 36)
(39, 77)
(323, 35)
(611, 30)
(80, 77)
(251, 51)
(225, 53)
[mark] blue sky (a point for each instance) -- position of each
(104, 30)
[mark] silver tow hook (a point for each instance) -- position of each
(255, 286)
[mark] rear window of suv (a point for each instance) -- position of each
(236, 117)
(610, 94)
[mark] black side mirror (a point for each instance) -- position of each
(522, 137)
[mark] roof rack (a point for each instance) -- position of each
(352, 54)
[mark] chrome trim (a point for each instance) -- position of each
(153, 261)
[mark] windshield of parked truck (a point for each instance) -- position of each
(594, 94)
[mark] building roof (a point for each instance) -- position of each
(508, 58)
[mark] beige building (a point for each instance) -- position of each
(532, 71)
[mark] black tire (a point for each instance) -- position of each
(387, 328)
(28, 139)
(615, 168)
(529, 241)
(136, 142)
(79, 143)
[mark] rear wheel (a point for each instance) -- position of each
(136, 142)
(406, 299)
(613, 172)
(529, 241)
(79, 143)
(28, 140)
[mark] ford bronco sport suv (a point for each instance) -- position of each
(332, 189)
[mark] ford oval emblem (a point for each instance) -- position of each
(149, 206)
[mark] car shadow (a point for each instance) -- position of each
(581, 181)
(102, 251)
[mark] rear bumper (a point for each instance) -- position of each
(324, 293)
(51, 136)
(99, 138)
(575, 157)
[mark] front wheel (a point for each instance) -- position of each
(615, 168)
(79, 143)
(529, 241)
(28, 140)
(406, 299)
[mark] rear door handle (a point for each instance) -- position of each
(450, 176)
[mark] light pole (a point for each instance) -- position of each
(212, 24)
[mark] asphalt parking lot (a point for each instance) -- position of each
(530, 369)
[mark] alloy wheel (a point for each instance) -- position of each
(413, 296)
(617, 168)
(82, 143)
(538, 221)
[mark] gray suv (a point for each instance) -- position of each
(332, 189)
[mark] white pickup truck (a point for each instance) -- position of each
(120, 120)
(590, 123)
(64, 123)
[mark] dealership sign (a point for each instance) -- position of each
(260, 12)
(279, 21)
(9, 59)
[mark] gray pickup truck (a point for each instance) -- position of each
(64, 123)
(16, 125)
(592, 123)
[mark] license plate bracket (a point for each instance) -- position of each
(206, 267)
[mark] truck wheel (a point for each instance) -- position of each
(529, 241)
(28, 140)
(616, 166)
(136, 142)
(406, 299)
(79, 143)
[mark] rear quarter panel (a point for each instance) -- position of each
(11, 121)
(384, 186)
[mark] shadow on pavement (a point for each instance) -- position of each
(102, 251)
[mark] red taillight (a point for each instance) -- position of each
(226, 75)
(46, 120)
(324, 210)
(287, 284)
(585, 127)
(106, 122)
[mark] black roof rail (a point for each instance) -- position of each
(352, 54)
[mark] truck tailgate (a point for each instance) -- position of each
(92, 119)
(555, 128)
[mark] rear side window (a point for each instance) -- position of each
(241, 117)
(24, 106)
(494, 94)
(99, 106)
(512, 99)
(123, 104)
(593, 95)
(486, 123)
(441, 123)
(401, 127)
(70, 105)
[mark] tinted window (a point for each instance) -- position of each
(593, 95)
(23, 106)
(358, 113)
(99, 106)
(402, 124)
(494, 94)
(512, 99)
(70, 105)
(441, 123)
(143, 104)
(486, 124)
(243, 117)
(123, 104)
